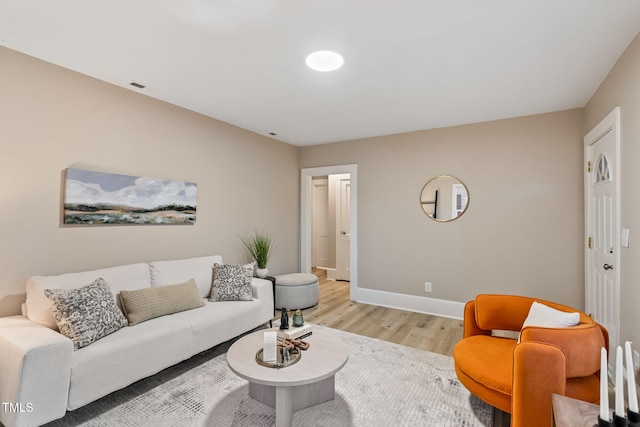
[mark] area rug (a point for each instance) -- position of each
(382, 384)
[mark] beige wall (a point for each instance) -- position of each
(512, 239)
(522, 232)
(622, 88)
(52, 119)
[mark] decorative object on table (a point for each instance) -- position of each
(299, 332)
(285, 358)
(290, 344)
(260, 246)
(621, 418)
(603, 417)
(632, 411)
(270, 347)
(284, 319)
(104, 198)
(298, 320)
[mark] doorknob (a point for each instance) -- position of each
(343, 232)
(607, 267)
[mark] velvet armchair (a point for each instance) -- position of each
(519, 376)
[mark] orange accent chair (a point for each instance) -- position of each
(519, 377)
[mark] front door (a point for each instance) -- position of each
(602, 187)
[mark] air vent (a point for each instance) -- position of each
(138, 85)
(272, 133)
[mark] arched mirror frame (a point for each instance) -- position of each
(430, 206)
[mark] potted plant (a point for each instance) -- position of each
(260, 246)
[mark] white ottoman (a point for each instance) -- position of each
(297, 290)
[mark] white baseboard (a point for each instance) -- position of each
(434, 306)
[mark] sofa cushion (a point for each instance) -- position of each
(485, 364)
(127, 356)
(218, 322)
(133, 276)
(232, 282)
(145, 304)
(179, 271)
(86, 314)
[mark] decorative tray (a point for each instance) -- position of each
(294, 357)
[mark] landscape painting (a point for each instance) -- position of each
(104, 198)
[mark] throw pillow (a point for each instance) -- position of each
(232, 282)
(147, 303)
(86, 314)
(547, 317)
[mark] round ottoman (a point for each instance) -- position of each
(297, 290)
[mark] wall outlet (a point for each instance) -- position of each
(636, 360)
(427, 286)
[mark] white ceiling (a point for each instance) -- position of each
(409, 64)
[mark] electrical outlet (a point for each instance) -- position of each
(427, 286)
(636, 360)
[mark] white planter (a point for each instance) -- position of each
(262, 272)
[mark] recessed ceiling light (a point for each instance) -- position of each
(324, 60)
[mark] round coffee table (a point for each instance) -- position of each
(306, 383)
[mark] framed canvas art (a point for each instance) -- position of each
(104, 198)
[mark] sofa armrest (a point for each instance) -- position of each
(580, 344)
(262, 290)
(539, 370)
(35, 368)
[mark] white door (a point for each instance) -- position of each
(343, 238)
(320, 223)
(602, 200)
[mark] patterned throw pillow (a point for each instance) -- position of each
(86, 314)
(232, 282)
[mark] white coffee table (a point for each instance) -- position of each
(306, 383)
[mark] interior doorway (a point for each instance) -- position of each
(341, 231)
(330, 225)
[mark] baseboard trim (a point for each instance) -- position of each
(434, 306)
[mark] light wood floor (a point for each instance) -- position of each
(423, 331)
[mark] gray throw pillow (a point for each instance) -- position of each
(232, 282)
(86, 314)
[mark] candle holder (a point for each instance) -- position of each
(634, 418)
(619, 421)
(603, 423)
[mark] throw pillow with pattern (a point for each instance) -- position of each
(86, 314)
(232, 282)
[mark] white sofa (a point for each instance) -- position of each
(41, 376)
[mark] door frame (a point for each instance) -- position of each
(306, 176)
(610, 123)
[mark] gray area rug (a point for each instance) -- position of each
(382, 384)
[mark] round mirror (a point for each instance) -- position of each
(444, 198)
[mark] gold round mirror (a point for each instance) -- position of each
(444, 198)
